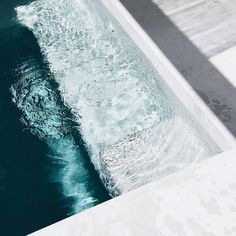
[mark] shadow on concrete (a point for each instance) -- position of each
(206, 80)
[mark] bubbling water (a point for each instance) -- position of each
(112, 91)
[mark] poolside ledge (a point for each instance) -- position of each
(199, 200)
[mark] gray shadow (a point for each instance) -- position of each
(206, 80)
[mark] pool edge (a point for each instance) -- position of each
(178, 84)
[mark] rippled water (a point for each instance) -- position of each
(45, 115)
(45, 171)
(113, 93)
(81, 92)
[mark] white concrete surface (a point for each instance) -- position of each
(199, 201)
(225, 62)
(211, 24)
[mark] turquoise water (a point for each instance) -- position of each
(41, 147)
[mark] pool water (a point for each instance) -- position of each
(84, 114)
(45, 171)
(114, 93)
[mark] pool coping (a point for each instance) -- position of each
(196, 200)
(207, 80)
(191, 100)
(178, 84)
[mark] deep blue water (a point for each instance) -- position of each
(29, 200)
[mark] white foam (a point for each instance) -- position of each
(107, 83)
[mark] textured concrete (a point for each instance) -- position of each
(175, 81)
(211, 24)
(226, 64)
(197, 201)
(206, 80)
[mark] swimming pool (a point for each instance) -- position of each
(114, 92)
(134, 127)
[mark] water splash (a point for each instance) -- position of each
(113, 93)
(45, 116)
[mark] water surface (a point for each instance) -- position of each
(39, 148)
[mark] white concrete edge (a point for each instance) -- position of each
(72, 225)
(182, 89)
